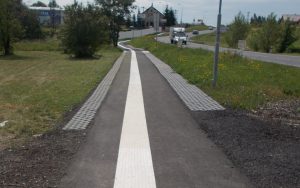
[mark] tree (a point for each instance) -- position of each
(269, 33)
(115, 11)
(238, 30)
(170, 17)
(30, 24)
(134, 21)
(286, 36)
(53, 4)
(84, 30)
(39, 4)
(139, 19)
(10, 27)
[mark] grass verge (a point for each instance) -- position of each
(242, 83)
(196, 27)
(38, 45)
(39, 87)
(209, 39)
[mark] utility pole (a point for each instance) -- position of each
(52, 12)
(216, 57)
(181, 16)
(248, 17)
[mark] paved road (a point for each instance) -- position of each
(272, 58)
(143, 136)
(136, 33)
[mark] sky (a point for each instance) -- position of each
(208, 9)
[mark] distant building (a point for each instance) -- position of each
(46, 14)
(150, 16)
(292, 17)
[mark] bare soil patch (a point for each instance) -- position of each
(267, 151)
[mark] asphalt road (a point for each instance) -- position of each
(136, 33)
(182, 154)
(271, 58)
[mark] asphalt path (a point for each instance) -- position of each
(266, 57)
(182, 154)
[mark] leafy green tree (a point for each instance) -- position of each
(257, 20)
(269, 33)
(134, 21)
(10, 27)
(53, 4)
(170, 17)
(84, 30)
(238, 30)
(115, 11)
(30, 24)
(39, 4)
(286, 37)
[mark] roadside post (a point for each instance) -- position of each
(217, 47)
(156, 26)
(132, 28)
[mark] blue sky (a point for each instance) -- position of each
(208, 9)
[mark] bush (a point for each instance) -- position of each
(30, 24)
(286, 36)
(273, 35)
(238, 30)
(253, 41)
(84, 31)
(269, 33)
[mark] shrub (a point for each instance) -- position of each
(238, 30)
(269, 33)
(273, 35)
(286, 36)
(84, 31)
(253, 41)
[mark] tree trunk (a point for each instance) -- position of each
(7, 47)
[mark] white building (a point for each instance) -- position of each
(292, 17)
(46, 14)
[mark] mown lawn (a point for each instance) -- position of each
(39, 87)
(242, 83)
(209, 39)
(196, 27)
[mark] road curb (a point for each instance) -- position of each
(192, 96)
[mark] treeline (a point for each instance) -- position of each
(265, 34)
(86, 28)
(17, 22)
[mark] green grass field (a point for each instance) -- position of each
(38, 45)
(209, 39)
(39, 87)
(242, 83)
(196, 27)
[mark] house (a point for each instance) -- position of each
(47, 14)
(292, 17)
(151, 17)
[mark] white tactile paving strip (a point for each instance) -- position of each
(88, 110)
(192, 96)
(134, 165)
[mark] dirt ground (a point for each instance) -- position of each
(264, 148)
(267, 151)
(40, 163)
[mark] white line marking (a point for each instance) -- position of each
(134, 166)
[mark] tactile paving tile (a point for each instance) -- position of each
(192, 96)
(88, 110)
